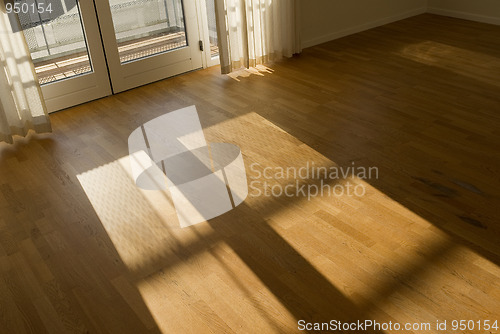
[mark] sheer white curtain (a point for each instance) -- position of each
(252, 32)
(21, 104)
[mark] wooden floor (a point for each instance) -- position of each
(82, 250)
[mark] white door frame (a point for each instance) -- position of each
(153, 68)
(96, 84)
(204, 33)
(85, 87)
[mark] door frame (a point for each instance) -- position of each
(85, 87)
(208, 61)
(155, 67)
(90, 86)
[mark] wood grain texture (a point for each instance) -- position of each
(82, 250)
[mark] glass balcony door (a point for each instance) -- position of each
(148, 40)
(84, 50)
(67, 52)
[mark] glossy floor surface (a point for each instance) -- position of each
(83, 250)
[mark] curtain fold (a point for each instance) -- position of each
(253, 32)
(22, 107)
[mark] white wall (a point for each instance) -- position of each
(487, 11)
(325, 20)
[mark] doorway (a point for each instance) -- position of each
(85, 50)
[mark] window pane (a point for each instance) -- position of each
(147, 27)
(56, 40)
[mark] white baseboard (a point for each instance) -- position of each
(464, 15)
(362, 27)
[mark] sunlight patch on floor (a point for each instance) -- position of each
(258, 70)
(376, 252)
(136, 220)
(213, 282)
(464, 62)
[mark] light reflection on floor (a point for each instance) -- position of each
(365, 247)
